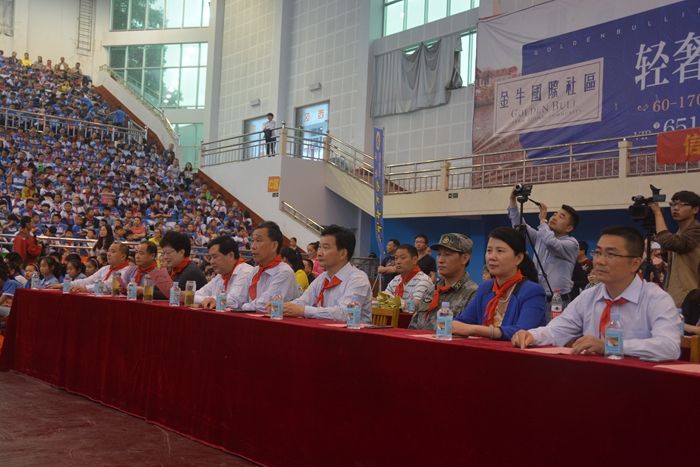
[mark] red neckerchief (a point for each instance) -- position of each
(253, 289)
(116, 268)
(178, 269)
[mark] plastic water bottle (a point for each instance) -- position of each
(614, 338)
(410, 304)
(680, 313)
(556, 305)
(443, 330)
(35, 280)
(67, 283)
(300, 290)
(277, 305)
(354, 314)
(99, 288)
(175, 295)
(221, 300)
(131, 290)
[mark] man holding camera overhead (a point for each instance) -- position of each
(556, 249)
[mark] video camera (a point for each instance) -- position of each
(522, 190)
(640, 211)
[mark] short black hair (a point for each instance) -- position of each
(290, 255)
(412, 250)
(151, 248)
(395, 241)
(583, 246)
(687, 197)
(177, 241)
(634, 241)
(25, 221)
(273, 232)
(270, 114)
(344, 238)
(575, 217)
(226, 245)
(423, 236)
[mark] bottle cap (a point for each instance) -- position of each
(354, 297)
(614, 316)
(278, 292)
(556, 291)
(445, 304)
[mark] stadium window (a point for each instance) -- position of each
(171, 76)
(400, 15)
(135, 15)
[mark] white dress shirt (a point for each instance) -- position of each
(89, 282)
(650, 320)
(337, 298)
(235, 289)
(420, 285)
(281, 277)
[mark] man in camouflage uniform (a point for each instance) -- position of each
(454, 251)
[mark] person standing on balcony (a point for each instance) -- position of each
(556, 249)
(683, 247)
(270, 135)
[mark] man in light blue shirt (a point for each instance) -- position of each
(647, 313)
(556, 249)
(329, 294)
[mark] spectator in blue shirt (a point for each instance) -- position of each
(8, 292)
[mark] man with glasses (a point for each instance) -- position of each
(175, 255)
(683, 247)
(647, 313)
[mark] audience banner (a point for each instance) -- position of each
(554, 74)
(678, 146)
(379, 189)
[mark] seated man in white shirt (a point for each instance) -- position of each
(271, 273)
(231, 274)
(330, 293)
(117, 260)
(411, 281)
(145, 259)
(647, 313)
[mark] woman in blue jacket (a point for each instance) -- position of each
(513, 300)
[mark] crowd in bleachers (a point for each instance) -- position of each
(74, 184)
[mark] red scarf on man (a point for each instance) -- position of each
(116, 268)
(405, 280)
(227, 277)
(326, 285)
(253, 289)
(500, 292)
(605, 317)
(142, 271)
(435, 302)
(178, 269)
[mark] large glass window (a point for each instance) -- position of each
(159, 14)
(400, 15)
(168, 75)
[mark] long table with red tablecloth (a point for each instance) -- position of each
(301, 392)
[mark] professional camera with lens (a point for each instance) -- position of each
(522, 190)
(640, 211)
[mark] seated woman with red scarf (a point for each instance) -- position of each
(513, 300)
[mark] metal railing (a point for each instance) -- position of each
(28, 121)
(157, 111)
(291, 142)
(302, 218)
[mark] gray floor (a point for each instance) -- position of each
(44, 426)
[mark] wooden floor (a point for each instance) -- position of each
(44, 426)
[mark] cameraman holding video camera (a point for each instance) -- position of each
(556, 249)
(683, 247)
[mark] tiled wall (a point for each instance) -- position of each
(324, 48)
(246, 63)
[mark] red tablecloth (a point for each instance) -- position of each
(405, 319)
(300, 393)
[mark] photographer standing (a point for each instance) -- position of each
(683, 247)
(556, 249)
